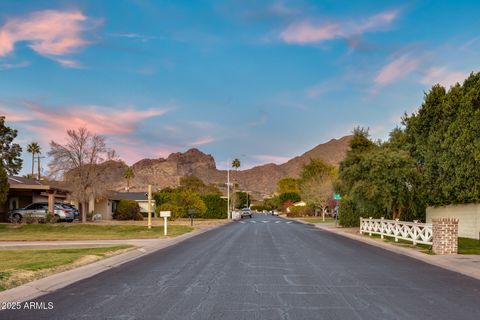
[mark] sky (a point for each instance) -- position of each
(262, 81)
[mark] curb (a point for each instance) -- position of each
(37, 288)
(430, 259)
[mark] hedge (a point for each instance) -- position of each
(127, 210)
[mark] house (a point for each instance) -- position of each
(107, 206)
(25, 191)
(468, 216)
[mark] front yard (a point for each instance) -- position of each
(78, 231)
(20, 266)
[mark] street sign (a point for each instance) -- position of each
(337, 196)
(165, 214)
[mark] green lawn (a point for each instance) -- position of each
(317, 220)
(21, 266)
(468, 246)
(12, 232)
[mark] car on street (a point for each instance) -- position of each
(39, 210)
(246, 212)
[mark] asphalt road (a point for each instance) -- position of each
(267, 268)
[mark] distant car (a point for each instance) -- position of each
(39, 210)
(246, 212)
(274, 213)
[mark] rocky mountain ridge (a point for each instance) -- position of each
(260, 180)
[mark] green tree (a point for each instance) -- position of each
(287, 184)
(4, 186)
(34, 149)
(195, 184)
(235, 164)
(443, 137)
(9, 152)
(291, 196)
(128, 175)
(315, 183)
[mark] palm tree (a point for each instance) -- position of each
(235, 164)
(33, 148)
(128, 174)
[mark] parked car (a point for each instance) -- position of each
(76, 212)
(274, 213)
(39, 210)
(246, 212)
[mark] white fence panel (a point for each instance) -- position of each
(410, 231)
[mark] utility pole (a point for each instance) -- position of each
(228, 193)
(149, 206)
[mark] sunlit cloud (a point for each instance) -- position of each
(443, 76)
(306, 31)
(271, 158)
(397, 69)
(50, 33)
(202, 140)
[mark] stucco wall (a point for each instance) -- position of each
(468, 215)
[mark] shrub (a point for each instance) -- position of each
(176, 211)
(216, 207)
(127, 210)
(300, 211)
(348, 216)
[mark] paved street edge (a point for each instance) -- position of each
(430, 259)
(60, 280)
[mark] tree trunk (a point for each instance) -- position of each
(84, 212)
(33, 165)
(39, 168)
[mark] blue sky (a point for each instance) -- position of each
(259, 80)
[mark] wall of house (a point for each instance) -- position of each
(144, 205)
(467, 214)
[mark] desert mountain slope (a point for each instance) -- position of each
(260, 180)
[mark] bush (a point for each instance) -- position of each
(176, 211)
(347, 215)
(300, 211)
(127, 210)
(216, 207)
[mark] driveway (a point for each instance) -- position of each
(266, 268)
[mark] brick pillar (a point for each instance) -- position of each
(445, 236)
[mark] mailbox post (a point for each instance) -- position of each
(191, 214)
(149, 195)
(165, 215)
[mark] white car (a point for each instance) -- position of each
(274, 213)
(246, 212)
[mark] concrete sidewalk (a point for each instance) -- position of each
(465, 264)
(56, 281)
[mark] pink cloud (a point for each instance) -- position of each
(397, 69)
(50, 33)
(443, 76)
(202, 140)
(271, 158)
(305, 32)
(100, 120)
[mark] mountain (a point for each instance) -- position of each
(260, 180)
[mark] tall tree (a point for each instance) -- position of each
(287, 184)
(235, 164)
(9, 152)
(315, 183)
(4, 186)
(77, 161)
(34, 149)
(128, 175)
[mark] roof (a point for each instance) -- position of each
(32, 184)
(138, 196)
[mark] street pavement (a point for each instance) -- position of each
(266, 268)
